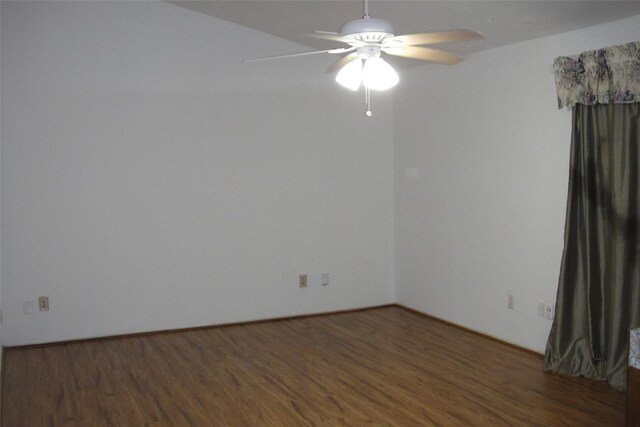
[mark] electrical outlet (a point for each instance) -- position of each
(324, 279)
(302, 280)
(43, 303)
(541, 308)
(510, 302)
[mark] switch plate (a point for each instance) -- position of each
(548, 314)
(28, 307)
(43, 303)
(510, 302)
(324, 279)
(302, 280)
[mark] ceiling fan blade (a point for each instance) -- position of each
(341, 62)
(440, 37)
(291, 55)
(326, 35)
(424, 54)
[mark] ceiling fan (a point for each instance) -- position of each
(367, 39)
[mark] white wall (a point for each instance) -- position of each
(152, 181)
(485, 216)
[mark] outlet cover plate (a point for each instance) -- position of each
(43, 303)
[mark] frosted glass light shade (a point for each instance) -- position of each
(350, 75)
(378, 74)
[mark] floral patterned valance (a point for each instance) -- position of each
(603, 76)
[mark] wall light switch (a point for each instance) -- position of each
(302, 280)
(324, 279)
(549, 312)
(28, 307)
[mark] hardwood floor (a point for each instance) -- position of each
(384, 366)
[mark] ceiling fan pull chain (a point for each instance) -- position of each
(367, 100)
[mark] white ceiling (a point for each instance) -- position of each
(502, 22)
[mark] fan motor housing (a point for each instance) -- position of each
(367, 30)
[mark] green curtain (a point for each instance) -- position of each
(598, 298)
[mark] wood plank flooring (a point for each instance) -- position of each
(384, 366)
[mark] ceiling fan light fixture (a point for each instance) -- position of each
(369, 38)
(378, 74)
(350, 76)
